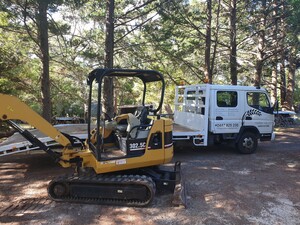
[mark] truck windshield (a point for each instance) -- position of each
(258, 100)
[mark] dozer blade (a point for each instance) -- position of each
(179, 195)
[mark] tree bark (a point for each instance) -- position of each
(207, 70)
(274, 82)
(44, 47)
(259, 67)
(233, 46)
(282, 80)
(261, 45)
(274, 76)
(108, 94)
(212, 66)
(290, 82)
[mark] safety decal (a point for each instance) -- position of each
(169, 145)
(121, 162)
(253, 112)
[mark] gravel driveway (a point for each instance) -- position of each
(223, 187)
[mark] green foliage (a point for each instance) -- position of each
(16, 66)
(168, 36)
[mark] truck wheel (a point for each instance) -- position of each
(247, 144)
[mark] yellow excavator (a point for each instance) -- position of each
(120, 161)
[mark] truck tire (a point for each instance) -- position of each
(247, 144)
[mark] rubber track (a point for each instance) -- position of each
(105, 179)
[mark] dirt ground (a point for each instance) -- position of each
(223, 187)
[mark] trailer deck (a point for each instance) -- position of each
(177, 128)
(16, 143)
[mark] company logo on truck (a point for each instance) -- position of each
(253, 112)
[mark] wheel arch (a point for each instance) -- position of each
(244, 129)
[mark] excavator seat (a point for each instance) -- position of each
(132, 138)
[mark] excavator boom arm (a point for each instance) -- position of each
(13, 109)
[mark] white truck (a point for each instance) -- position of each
(211, 114)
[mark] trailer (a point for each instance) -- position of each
(207, 114)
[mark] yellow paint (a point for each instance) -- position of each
(149, 158)
(18, 110)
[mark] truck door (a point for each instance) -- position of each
(259, 112)
(227, 111)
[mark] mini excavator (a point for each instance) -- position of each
(120, 163)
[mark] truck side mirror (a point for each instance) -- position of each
(275, 106)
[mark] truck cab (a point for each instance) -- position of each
(218, 113)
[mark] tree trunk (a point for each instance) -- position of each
(261, 45)
(274, 76)
(282, 80)
(207, 70)
(216, 39)
(109, 52)
(233, 46)
(291, 82)
(259, 67)
(44, 47)
(274, 82)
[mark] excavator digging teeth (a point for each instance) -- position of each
(179, 195)
(123, 190)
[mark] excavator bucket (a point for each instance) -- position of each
(179, 196)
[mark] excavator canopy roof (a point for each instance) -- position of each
(145, 75)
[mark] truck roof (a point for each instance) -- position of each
(225, 87)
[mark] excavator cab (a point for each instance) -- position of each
(139, 134)
(127, 135)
